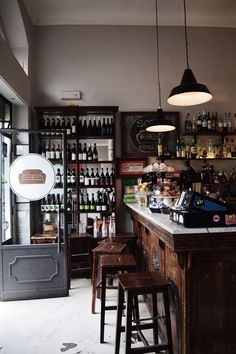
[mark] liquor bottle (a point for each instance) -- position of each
(92, 177)
(58, 152)
(183, 149)
(68, 153)
(90, 128)
(73, 178)
(90, 153)
(199, 122)
(95, 152)
(73, 152)
(81, 177)
(107, 178)
(104, 127)
(213, 122)
(58, 183)
(99, 128)
(53, 127)
(229, 123)
(194, 124)
(102, 178)
(58, 126)
(204, 121)
(193, 150)
(112, 177)
(69, 200)
(209, 122)
(81, 202)
(97, 178)
(178, 149)
(220, 123)
(93, 203)
(68, 177)
(94, 127)
(68, 127)
(111, 227)
(225, 124)
(104, 227)
(87, 202)
(159, 148)
(87, 178)
(84, 129)
(80, 152)
(73, 127)
(188, 123)
(85, 153)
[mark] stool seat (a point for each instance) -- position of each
(112, 264)
(129, 287)
(102, 248)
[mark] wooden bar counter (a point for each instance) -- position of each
(201, 265)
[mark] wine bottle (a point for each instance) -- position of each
(87, 178)
(42, 206)
(47, 204)
(99, 127)
(87, 202)
(68, 153)
(92, 177)
(90, 153)
(102, 178)
(80, 127)
(104, 127)
(52, 152)
(104, 227)
(95, 153)
(53, 203)
(107, 178)
(93, 203)
(98, 203)
(73, 152)
(68, 177)
(80, 152)
(73, 127)
(97, 178)
(112, 177)
(47, 152)
(58, 152)
(81, 202)
(48, 127)
(58, 183)
(94, 127)
(85, 152)
(90, 128)
(104, 202)
(58, 126)
(43, 150)
(68, 127)
(85, 127)
(81, 177)
(73, 178)
(53, 127)
(69, 200)
(63, 124)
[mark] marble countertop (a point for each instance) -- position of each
(163, 221)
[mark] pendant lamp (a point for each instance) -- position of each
(189, 92)
(161, 125)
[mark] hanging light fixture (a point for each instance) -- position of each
(161, 125)
(189, 92)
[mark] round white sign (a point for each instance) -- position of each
(31, 176)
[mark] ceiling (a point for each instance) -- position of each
(210, 13)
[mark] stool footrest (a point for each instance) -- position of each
(150, 349)
(139, 327)
(111, 307)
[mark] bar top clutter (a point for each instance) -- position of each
(177, 236)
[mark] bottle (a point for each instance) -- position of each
(220, 124)
(188, 123)
(178, 149)
(58, 183)
(225, 124)
(47, 204)
(213, 122)
(53, 203)
(112, 127)
(48, 127)
(58, 126)
(99, 127)
(73, 152)
(73, 127)
(73, 178)
(199, 122)
(229, 123)
(42, 123)
(112, 177)
(81, 177)
(87, 202)
(97, 178)
(104, 127)
(53, 127)
(204, 121)
(68, 177)
(209, 122)
(43, 150)
(42, 205)
(159, 148)
(84, 129)
(87, 178)
(194, 124)
(68, 153)
(95, 152)
(47, 152)
(81, 202)
(95, 227)
(90, 128)
(104, 202)
(104, 227)
(80, 152)
(52, 152)
(102, 178)
(93, 203)
(98, 204)
(63, 123)
(183, 149)
(107, 178)
(58, 203)
(90, 153)
(210, 150)
(92, 177)
(94, 127)
(85, 153)
(112, 227)
(58, 152)
(80, 127)
(193, 150)
(68, 127)
(69, 200)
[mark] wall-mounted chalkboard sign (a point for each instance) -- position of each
(137, 142)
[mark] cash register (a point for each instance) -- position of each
(194, 210)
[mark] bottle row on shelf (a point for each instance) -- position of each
(210, 122)
(87, 178)
(105, 227)
(82, 126)
(208, 149)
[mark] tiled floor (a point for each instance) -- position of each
(53, 326)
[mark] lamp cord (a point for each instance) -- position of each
(158, 58)
(186, 35)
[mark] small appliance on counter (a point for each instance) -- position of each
(195, 210)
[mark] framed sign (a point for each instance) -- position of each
(21, 149)
(131, 167)
(136, 141)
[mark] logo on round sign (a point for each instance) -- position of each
(216, 218)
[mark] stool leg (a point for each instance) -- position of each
(128, 325)
(168, 322)
(119, 317)
(155, 314)
(103, 304)
(94, 282)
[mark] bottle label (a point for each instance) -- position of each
(73, 156)
(73, 129)
(57, 155)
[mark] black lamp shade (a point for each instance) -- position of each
(161, 125)
(189, 92)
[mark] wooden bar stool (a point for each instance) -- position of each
(101, 249)
(129, 287)
(112, 264)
